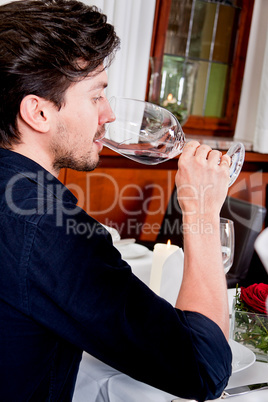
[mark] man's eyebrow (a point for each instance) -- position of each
(99, 85)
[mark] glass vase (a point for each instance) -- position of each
(251, 329)
(172, 84)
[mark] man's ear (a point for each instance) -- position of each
(35, 111)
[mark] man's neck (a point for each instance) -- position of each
(37, 155)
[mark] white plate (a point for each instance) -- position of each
(242, 356)
(132, 250)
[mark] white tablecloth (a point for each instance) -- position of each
(97, 382)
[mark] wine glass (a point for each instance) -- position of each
(150, 134)
(227, 243)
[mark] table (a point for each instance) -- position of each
(98, 382)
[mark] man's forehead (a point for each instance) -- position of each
(97, 81)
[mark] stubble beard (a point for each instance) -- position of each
(66, 158)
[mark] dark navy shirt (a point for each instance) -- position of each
(64, 288)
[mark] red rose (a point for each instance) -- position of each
(255, 296)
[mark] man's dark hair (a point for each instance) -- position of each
(45, 45)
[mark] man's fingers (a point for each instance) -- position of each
(203, 151)
(191, 147)
(225, 159)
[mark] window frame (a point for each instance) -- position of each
(200, 125)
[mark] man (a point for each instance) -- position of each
(62, 293)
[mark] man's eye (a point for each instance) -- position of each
(97, 98)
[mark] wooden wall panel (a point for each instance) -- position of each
(133, 198)
(132, 201)
(251, 187)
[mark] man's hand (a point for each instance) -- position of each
(202, 179)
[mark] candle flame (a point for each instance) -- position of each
(168, 243)
(169, 97)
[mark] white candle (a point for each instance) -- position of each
(160, 254)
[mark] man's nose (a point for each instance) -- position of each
(106, 114)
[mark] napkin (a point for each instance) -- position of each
(172, 276)
(261, 247)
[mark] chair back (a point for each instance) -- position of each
(248, 223)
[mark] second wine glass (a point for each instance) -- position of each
(227, 243)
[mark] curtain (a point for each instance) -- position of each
(133, 21)
(252, 120)
(261, 130)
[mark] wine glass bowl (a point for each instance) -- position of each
(144, 132)
(227, 243)
(150, 134)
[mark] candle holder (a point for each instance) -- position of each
(172, 84)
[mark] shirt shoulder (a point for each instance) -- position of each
(28, 191)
